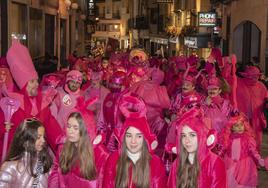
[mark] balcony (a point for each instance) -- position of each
(140, 22)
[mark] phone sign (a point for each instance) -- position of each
(207, 19)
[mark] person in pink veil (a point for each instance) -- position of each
(81, 156)
(251, 95)
(241, 156)
(195, 166)
(33, 103)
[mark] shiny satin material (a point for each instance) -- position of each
(14, 174)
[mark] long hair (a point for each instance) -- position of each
(187, 174)
(24, 144)
(140, 170)
(81, 155)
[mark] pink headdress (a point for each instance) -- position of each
(52, 80)
(214, 82)
(190, 78)
(142, 125)
(20, 63)
(81, 65)
(118, 77)
(87, 115)
(194, 120)
(132, 107)
(251, 72)
(74, 75)
(134, 111)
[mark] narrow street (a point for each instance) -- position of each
(263, 175)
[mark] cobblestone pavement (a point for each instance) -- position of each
(263, 174)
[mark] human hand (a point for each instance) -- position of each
(8, 126)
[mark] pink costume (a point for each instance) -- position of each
(219, 109)
(65, 100)
(110, 117)
(73, 178)
(157, 171)
(22, 70)
(212, 171)
(251, 94)
(241, 155)
(156, 100)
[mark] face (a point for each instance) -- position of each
(213, 92)
(40, 141)
(72, 130)
(189, 139)
(187, 87)
(134, 140)
(73, 85)
(3, 76)
(238, 127)
(32, 87)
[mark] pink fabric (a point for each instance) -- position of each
(158, 76)
(218, 111)
(142, 125)
(212, 172)
(157, 172)
(20, 63)
(254, 92)
(244, 160)
(73, 178)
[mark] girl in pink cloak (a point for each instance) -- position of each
(196, 166)
(241, 157)
(80, 160)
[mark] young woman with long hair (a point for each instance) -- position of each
(28, 161)
(196, 166)
(75, 164)
(135, 165)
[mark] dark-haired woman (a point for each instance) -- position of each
(134, 165)
(28, 161)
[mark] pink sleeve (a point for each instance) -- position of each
(53, 179)
(160, 179)
(110, 172)
(172, 176)
(219, 174)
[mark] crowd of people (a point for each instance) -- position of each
(131, 120)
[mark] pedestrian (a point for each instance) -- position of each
(195, 166)
(77, 163)
(135, 165)
(241, 156)
(28, 161)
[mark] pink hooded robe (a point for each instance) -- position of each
(212, 171)
(254, 93)
(157, 170)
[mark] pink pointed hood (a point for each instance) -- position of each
(20, 64)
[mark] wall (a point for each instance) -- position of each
(254, 11)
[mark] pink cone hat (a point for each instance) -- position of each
(20, 64)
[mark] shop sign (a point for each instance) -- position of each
(90, 8)
(164, 1)
(207, 19)
(174, 39)
(191, 42)
(159, 40)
